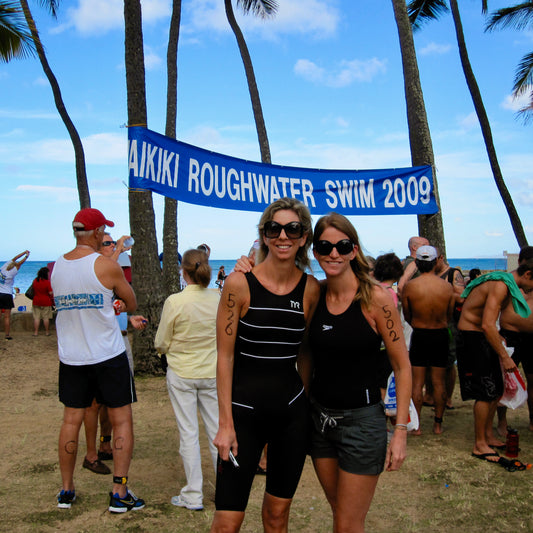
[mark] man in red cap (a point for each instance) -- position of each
(93, 361)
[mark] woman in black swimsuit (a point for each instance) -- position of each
(353, 317)
(261, 322)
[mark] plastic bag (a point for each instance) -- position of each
(390, 405)
(515, 393)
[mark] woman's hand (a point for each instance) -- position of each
(243, 264)
(138, 321)
(226, 440)
(397, 450)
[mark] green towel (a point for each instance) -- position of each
(519, 303)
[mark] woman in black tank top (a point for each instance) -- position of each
(261, 322)
(354, 314)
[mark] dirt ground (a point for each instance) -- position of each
(440, 487)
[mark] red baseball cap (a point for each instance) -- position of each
(91, 219)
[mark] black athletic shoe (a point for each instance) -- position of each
(130, 502)
(65, 499)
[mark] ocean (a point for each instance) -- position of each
(29, 269)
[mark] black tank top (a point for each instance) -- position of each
(268, 340)
(346, 358)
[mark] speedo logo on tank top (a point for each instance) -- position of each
(68, 302)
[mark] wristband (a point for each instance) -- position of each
(403, 427)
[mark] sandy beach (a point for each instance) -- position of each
(440, 487)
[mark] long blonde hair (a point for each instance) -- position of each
(359, 263)
(302, 256)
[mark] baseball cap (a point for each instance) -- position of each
(90, 219)
(426, 253)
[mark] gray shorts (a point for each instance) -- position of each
(357, 438)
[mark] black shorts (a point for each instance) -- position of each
(429, 347)
(523, 348)
(110, 382)
(287, 434)
(357, 438)
(480, 373)
(6, 301)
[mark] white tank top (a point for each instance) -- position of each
(87, 331)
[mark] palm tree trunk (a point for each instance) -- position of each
(171, 274)
(146, 271)
(485, 128)
(252, 84)
(81, 174)
(429, 226)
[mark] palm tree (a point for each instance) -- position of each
(420, 10)
(519, 17)
(429, 226)
(15, 40)
(81, 174)
(171, 275)
(146, 270)
(262, 8)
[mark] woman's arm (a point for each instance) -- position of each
(389, 326)
(304, 361)
(165, 330)
(234, 299)
(18, 264)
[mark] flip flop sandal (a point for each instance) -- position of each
(485, 457)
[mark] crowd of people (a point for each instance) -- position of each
(280, 365)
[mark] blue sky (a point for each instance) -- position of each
(330, 80)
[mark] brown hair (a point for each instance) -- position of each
(196, 264)
(359, 263)
(302, 256)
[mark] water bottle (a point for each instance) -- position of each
(128, 242)
(511, 444)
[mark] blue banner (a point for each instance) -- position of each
(197, 176)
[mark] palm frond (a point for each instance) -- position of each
(50, 5)
(422, 11)
(523, 80)
(519, 17)
(15, 39)
(526, 112)
(259, 8)
(484, 6)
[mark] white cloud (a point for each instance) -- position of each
(433, 49)
(310, 17)
(513, 103)
(66, 194)
(469, 121)
(151, 60)
(100, 16)
(60, 194)
(346, 73)
(100, 149)
(22, 114)
(494, 233)
(41, 81)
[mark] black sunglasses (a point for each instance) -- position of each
(344, 247)
(109, 243)
(293, 230)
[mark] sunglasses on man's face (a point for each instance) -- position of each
(344, 247)
(109, 243)
(293, 230)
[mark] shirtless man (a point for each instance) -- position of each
(409, 265)
(427, 303)
(480, 348)
(518, 333)
(454, 276)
